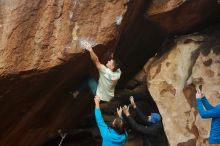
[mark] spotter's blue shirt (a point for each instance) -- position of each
(206, 110)
(109, 136)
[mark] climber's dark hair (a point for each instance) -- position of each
(119, 125)
(117, 64)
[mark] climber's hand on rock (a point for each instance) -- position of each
(88, 46)
(97, 101)
(199, 94)
(132, 101)
(125, 110)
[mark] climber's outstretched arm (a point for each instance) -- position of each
(94, 57)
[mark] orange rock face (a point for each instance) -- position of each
(34, 34)
(176, 16)
(41, 59)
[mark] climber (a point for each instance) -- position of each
(206, 110)
(111, 136)
(108, 78)
(151, 127)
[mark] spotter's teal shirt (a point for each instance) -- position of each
(206, 110)
(109, 136)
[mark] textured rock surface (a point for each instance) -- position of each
(176, 16)
(34, 81)
(40, 59)
(143, 35)
(34, 33)
(191, 59)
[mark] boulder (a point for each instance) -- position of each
(41, 61)
(179, 16)
(173, 78)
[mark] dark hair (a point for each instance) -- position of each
(119, 126)
(117, 64)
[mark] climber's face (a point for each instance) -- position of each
(110, 64)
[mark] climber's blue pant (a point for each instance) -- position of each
(92, 83)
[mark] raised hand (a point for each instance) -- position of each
(132, 101)
(199, 94)
(125, 110)
(119, 112)
(87, 45)
(97, 101)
